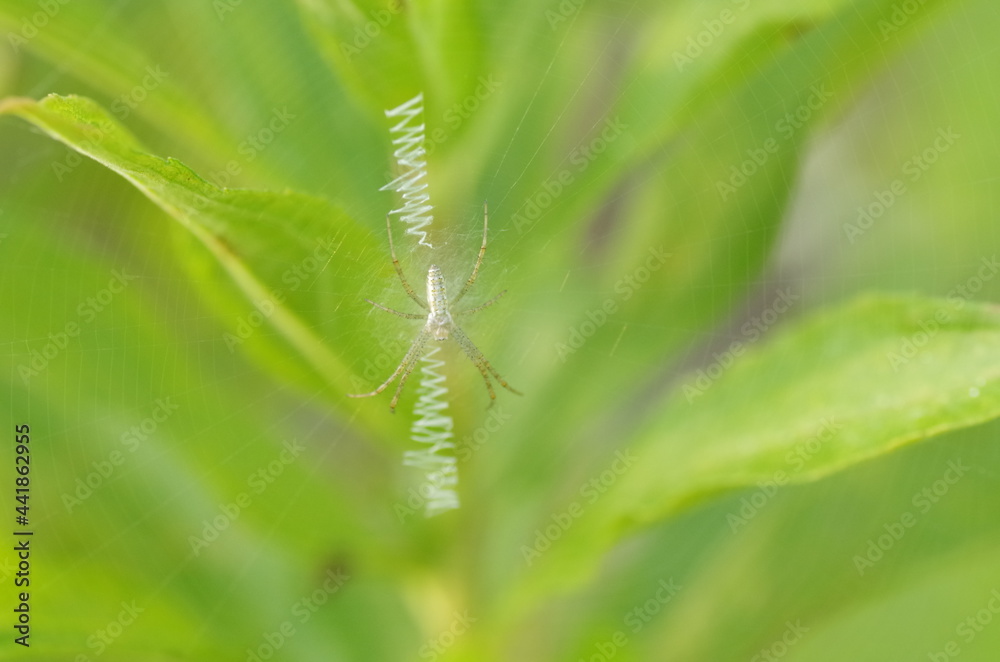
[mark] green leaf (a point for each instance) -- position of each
(829, 554)
(64, 33)
(835, 390)
(146, 447)
(274, 246)
(691, 237)
(191, 78)
(662, 192)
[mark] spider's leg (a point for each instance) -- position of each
(472, 351)
(405, 367)
(479, 260)
(412, 357)
(399, 269)
(478, 308)
(477, 357)
(409, 316)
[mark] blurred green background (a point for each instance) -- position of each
(718, 224)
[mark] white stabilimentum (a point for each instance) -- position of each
(408, 137)
(434, 430)
(432, 427)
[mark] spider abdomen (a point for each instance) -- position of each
(439, 318)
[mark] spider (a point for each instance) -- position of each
(438, 323)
